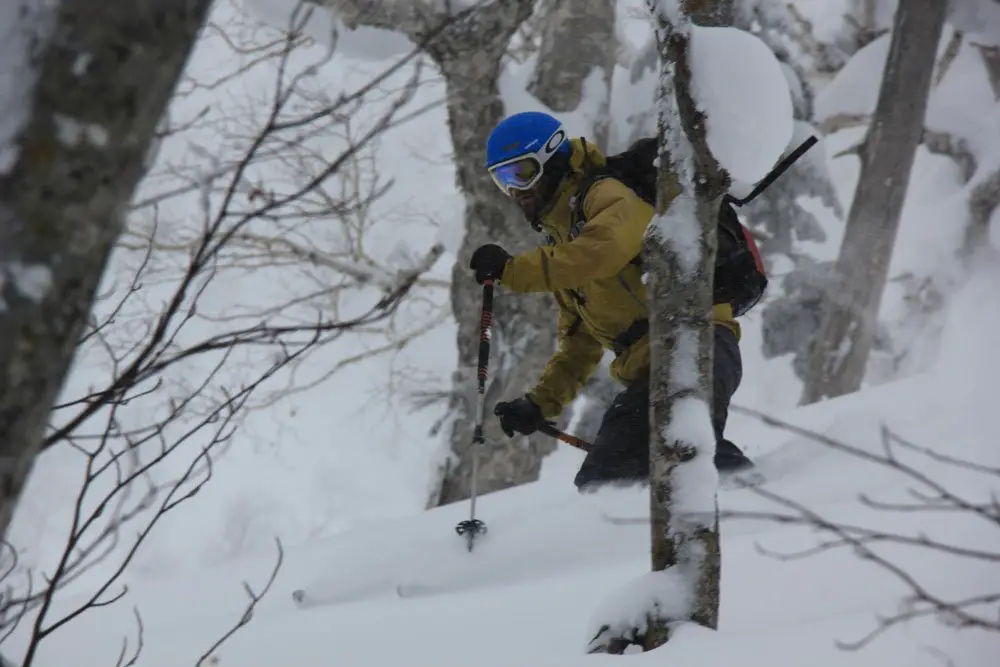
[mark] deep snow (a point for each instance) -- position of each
(530, 591)
(339, 472)
(744, 93)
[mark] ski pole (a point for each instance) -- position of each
(473, 527)
(571, 440)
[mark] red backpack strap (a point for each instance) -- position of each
(754, 250)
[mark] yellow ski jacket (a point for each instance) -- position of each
(591, 275)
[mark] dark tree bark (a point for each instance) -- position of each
(840, 352)
(106, 70)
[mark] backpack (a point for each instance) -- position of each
(740, 278)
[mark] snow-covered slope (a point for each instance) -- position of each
(349, 460)
(529, 592)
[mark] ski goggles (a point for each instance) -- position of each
(524, 171)
(521, 173)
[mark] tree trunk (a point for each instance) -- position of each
(469, 56)
(840, 352)
(578, 36)
(683, 512)
(681, 334)
(467, 47)
(103, 73)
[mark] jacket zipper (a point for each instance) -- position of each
(624, 284)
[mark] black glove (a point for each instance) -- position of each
(488, 262)
(519, 415)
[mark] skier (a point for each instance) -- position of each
(589, 265)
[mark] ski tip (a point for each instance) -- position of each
(411, 590)
(414, 590)
(745, 479)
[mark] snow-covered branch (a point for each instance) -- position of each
(956, 148)
(984, 202)
(991, 60)
(210, 656)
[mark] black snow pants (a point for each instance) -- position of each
(621, 449)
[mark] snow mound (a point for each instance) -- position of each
(323, 24)
(580, 122)
(854, 90)
(979, 19)
(554, 563)
(743, 91)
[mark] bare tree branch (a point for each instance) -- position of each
(991, 60)
(197, 386)
(929, 496)
(209, 656)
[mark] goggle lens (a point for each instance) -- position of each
(520, 174)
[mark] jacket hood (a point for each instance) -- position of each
(585, 155)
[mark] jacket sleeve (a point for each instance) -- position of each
(616, 222)
(569, 368)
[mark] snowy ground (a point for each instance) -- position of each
(529, 592)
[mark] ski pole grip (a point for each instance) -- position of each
(485, 321)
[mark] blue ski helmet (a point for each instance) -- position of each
(520, 145)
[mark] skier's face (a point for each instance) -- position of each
(527, 201)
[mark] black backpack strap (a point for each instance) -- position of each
(777, 171)
(591, 175)
(588, 182)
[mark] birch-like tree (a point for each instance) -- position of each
(468, 53)
(847, 332)
(679, 251)
(90, 80)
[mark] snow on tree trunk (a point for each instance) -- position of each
(679, 256)
(840, 351)
(984, 201)
(87, 82)
(578, 42)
